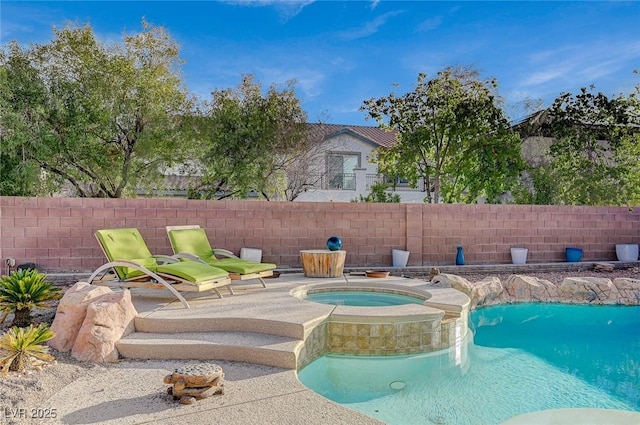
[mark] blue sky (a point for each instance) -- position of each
(341, 53)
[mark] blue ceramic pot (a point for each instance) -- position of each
(574, 255)
(334, 243)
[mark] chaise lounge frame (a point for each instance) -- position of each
(216, 252)
(107, 275)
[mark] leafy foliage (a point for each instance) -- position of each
(102, 118)
(21, 348)
(248, 138)
(593, 158)
(452, 134)
(22, 291)
(379, 194)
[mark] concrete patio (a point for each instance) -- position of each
(254, 335)
(257, 325)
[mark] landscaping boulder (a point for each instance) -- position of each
(629, 290)
(482, 292)
(108, 320)
(529, 288)
(446, 280)
(71, 313)
(487, 291)
(593, 290)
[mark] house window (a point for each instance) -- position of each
(340, 167)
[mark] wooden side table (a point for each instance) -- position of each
(322, 262)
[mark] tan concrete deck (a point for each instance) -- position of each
(258, 319)
(247, 324)
(257, 325)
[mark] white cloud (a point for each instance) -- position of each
(287, 9)
(430, 24)
(309, 81)
(550, 73)
(587, 63)
(26, 22)
(368, 28)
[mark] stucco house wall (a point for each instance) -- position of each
(349, 142)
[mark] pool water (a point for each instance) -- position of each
(362, 298)
(523, 358)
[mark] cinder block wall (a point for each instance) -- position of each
(57, 233)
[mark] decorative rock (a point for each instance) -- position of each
(108, 319)
(594, 290)
(480, 293)
(433, 273)
(187, 400)
(603, 267)
(520, 288)
(195, 382)
(196, 375)
(199, 392)
(486, 291)
(446, 280)
(71, 313)
(527, 288)
(629, 290)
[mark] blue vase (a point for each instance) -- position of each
(334, 243)
(460, 256)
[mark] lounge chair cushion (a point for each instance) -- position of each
(238, 265)
(192, 241)
(128, 244)
(195, 241)
(148, 263)
(192, 271)
(124, 244)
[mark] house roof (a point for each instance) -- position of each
(375, 135)
(533, 124)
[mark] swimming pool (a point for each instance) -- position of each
(362, 298)
(523, 358)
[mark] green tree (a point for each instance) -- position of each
(248, 140)
(628, 152)
(593, 159)
(452, 134)
(19, 85)
(103, 118)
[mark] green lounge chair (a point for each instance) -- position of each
(191, 242)
(135, 267)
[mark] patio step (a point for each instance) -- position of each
(268, 350)
(181, 325)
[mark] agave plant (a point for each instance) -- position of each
(21, 348)
(21, 292)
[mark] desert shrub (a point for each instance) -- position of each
(22, 349)
(22, 291)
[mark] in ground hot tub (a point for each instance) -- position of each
(362, 298)
(380, 319)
